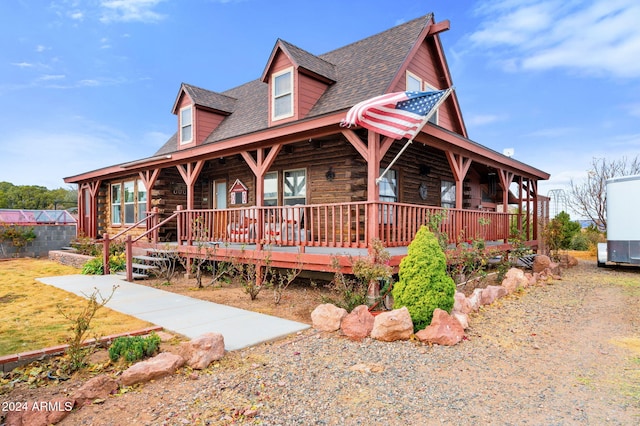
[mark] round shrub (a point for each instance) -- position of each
(423, 283)
(580, 242)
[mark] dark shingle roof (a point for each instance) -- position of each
(361, 70)
(308, 61)
(209, 99)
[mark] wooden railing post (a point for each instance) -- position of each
(129, 257)
(154, 222)
(179, 221)
(105, 254)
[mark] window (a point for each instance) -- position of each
(388, 188)
(414, 83)
(186, 125)
(447, 194)
(282, 90)
(128, 202)
(295, 187)
(116, 204)
(434, 118)
(142, 201)
(271, 189)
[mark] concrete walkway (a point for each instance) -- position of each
(181, 314)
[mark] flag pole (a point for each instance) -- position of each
(425, 120)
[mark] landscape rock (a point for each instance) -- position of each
(358, 324)
(491, 294)
(39, 413)
(513, 279)
(474, 299)
(393, 325)
(327, 317)
(540, 263)
(203, 350)
(463, 319)
(444, 330)
(461, 304)
(568, 261)
(98, 387)
(160, 365)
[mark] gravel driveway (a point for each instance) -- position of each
(567, 353)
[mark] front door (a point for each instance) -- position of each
(219, 189)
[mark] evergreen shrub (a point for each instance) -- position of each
(423, 282)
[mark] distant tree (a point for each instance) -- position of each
(35, 197)
(589, 198)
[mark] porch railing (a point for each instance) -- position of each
(338, 225)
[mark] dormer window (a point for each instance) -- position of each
(186, 125)
(414, 83)
(282, 94)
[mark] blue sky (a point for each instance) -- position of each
(90, 83)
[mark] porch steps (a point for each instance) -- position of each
(526, 261)
(144, 265)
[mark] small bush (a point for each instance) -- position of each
(423, 283)
(134, 348)
(580, 242)
(117, 262)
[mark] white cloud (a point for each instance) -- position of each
(483, 119)
(601, 37)
(76, 15)
(22, 64)
(40, 48)
(130, 11)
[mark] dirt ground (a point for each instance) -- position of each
(564, 353)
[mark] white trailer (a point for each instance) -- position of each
(623, 222)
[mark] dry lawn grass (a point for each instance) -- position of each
(29, 316)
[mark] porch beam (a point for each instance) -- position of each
(506, 177)
(459, 167)
(357, 143)
(149, 178)
(190, 175)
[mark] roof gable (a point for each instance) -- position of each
(205, 98)
(303, 61)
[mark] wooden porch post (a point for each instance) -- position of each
(149, 178)
(259, 167)
(373, 193)
(459, 167)
(534, 194)
(520, 200)
(506, 177)
(88, 217)
(190, 175)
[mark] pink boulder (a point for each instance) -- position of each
(461, 304)
(491, 294)
(160, 365)
(358, 324)
(444, 330)
(203, 350)
(513, 279)
(98, 387)
(327, 317)
(393, 325)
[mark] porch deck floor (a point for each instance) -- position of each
(181, 314)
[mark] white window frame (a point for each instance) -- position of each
(183, 126)
(450, 190)
(119, 207)
(434, 118)
(409, 77)
(275, 96)
(116, 206)
(271, 200)
(286, 199)
(388, 184)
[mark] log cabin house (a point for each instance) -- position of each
(266, 166)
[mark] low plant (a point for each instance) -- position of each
(95, 266)
(348, 292)
(80, 325)
(134, 348)
(279, 280)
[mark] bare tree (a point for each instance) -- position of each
(589, 198)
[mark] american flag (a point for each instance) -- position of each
(397, 115)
